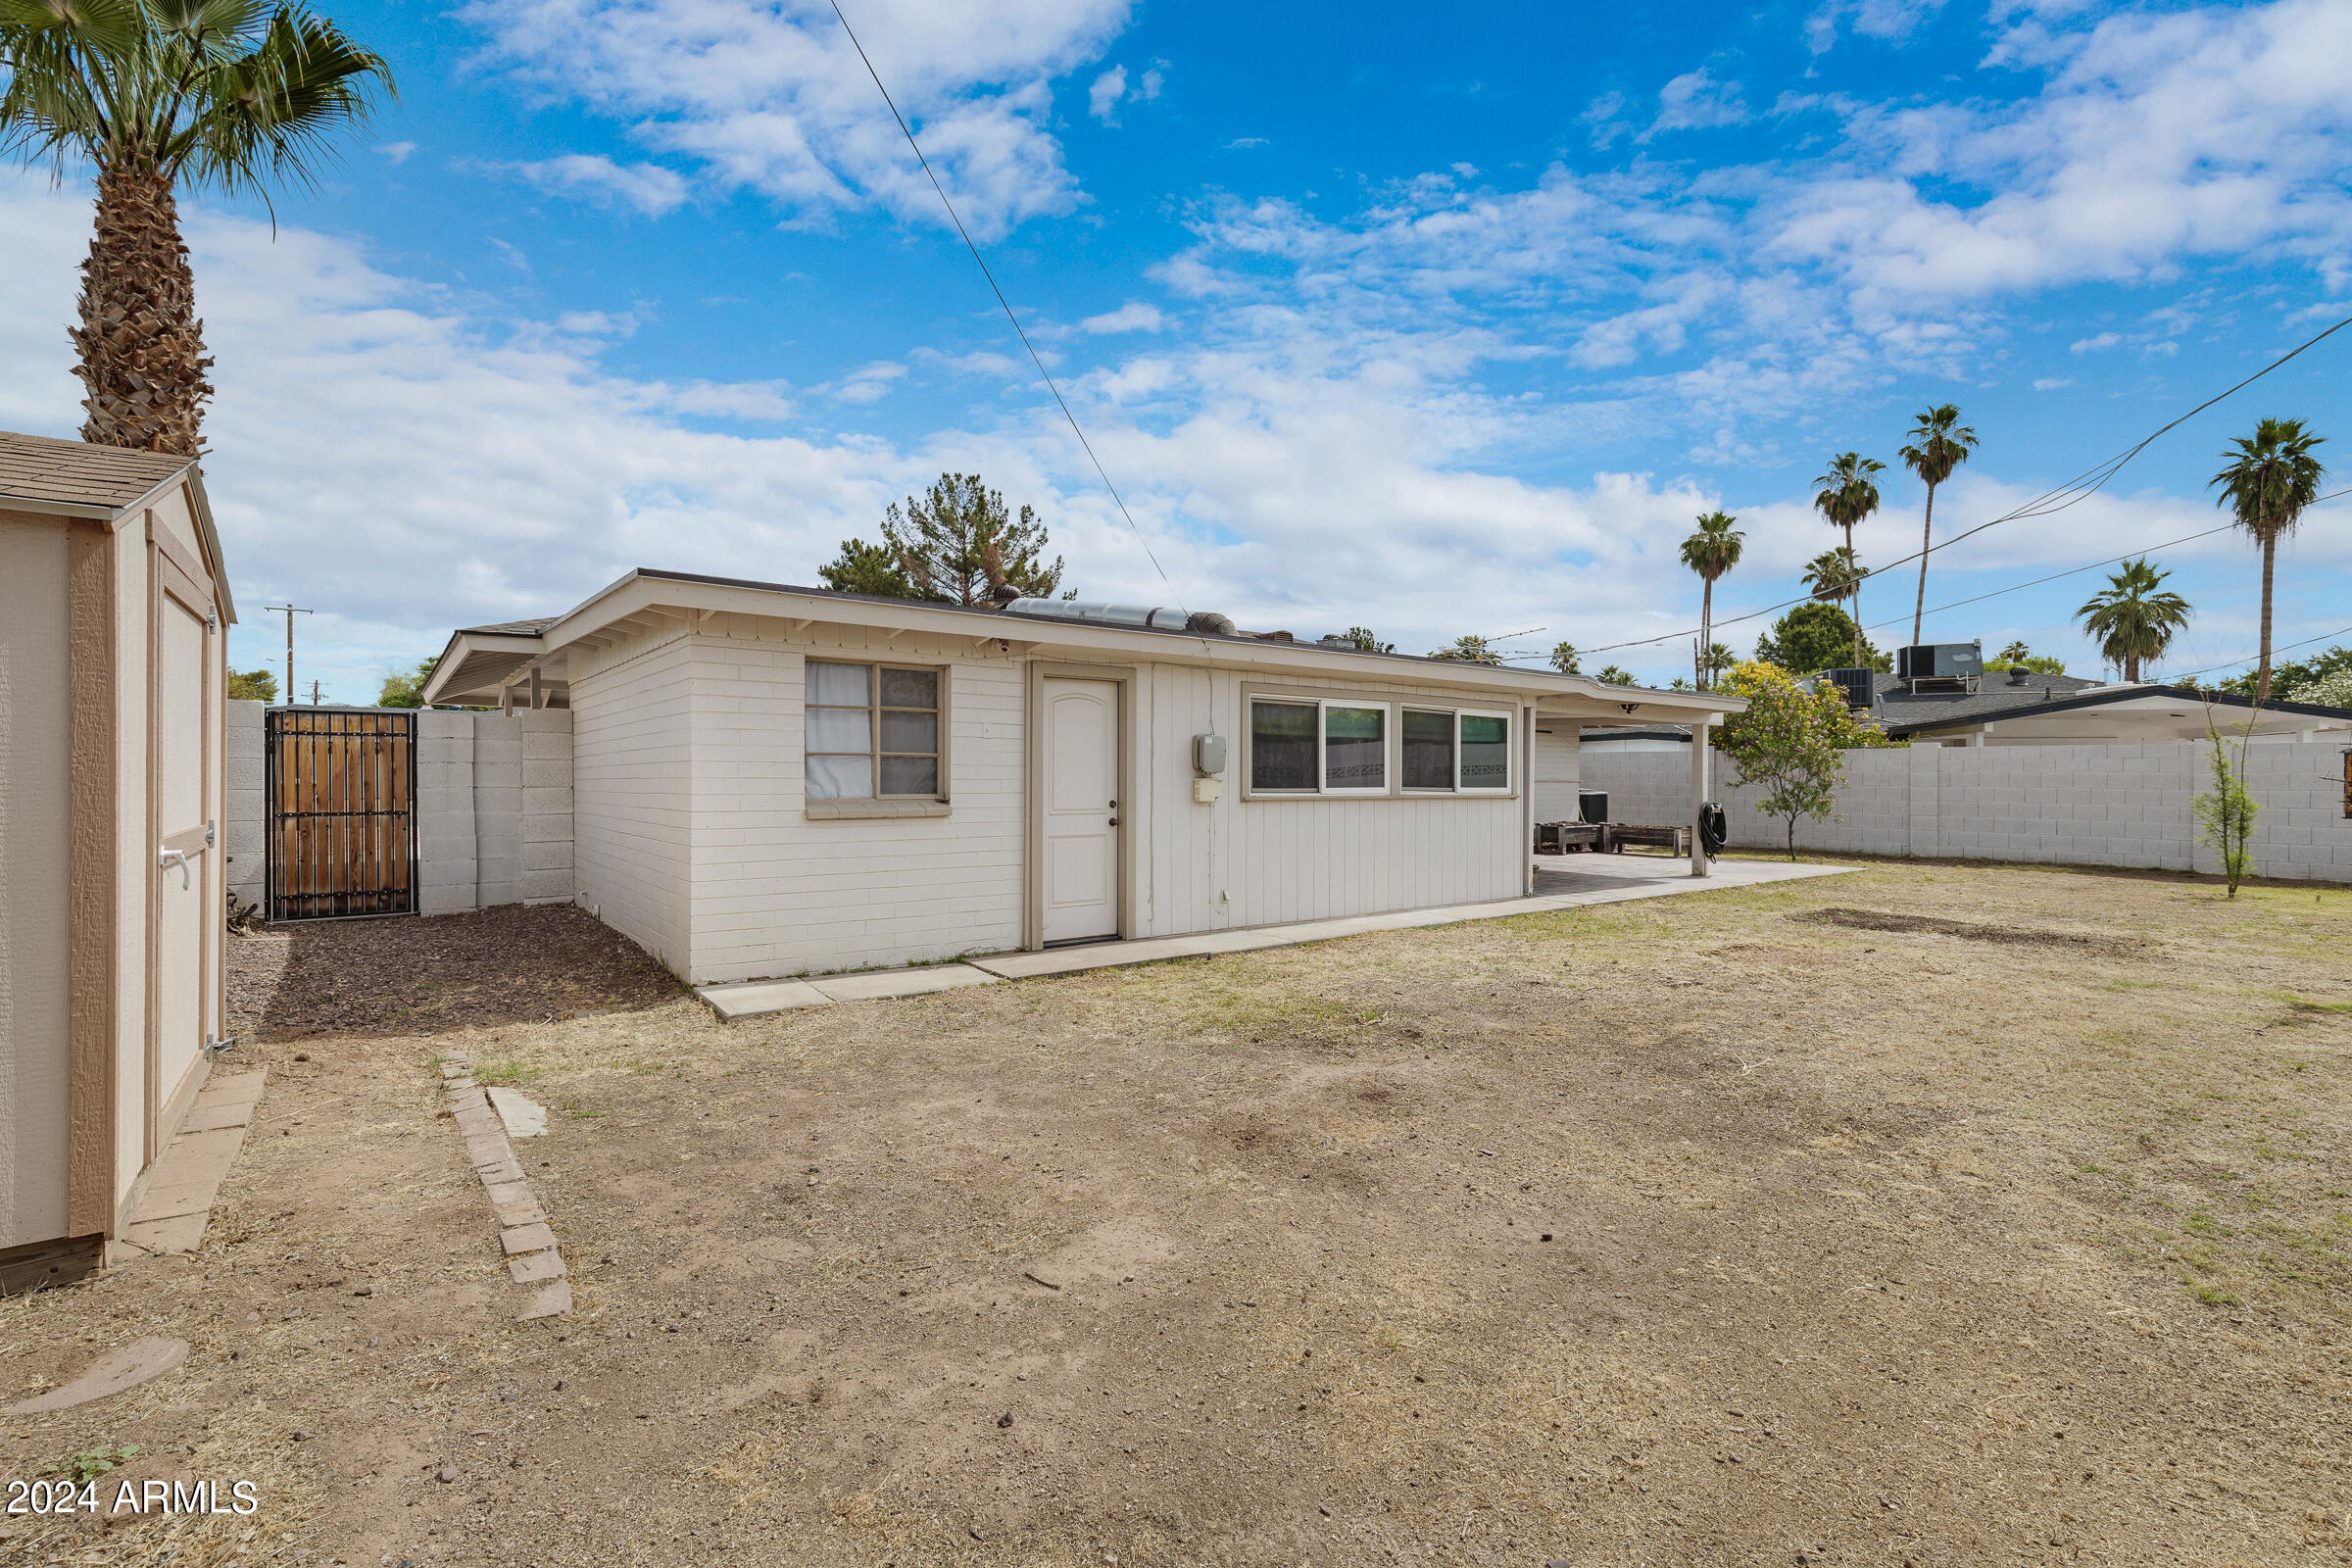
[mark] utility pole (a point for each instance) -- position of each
(291, 610)
(314, 694)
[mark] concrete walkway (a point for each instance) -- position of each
(1562, 882)
(178, 1204)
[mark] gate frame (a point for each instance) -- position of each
(270, 717)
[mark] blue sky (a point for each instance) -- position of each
(1435, 323)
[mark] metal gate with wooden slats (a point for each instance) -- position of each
(342, 812)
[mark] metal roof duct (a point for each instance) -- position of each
(1157, 617)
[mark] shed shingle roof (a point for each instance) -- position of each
(37, 469)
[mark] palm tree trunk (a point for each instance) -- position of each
(1855, 592)
(1706, 629)
(1927, 540)
(2269, 562)
(141, 347)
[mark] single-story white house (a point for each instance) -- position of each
(770, 780)
(114, 618)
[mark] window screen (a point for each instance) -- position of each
(1282, 746)
(873, 731)
(1355, 747)
(1485, 752)
(1428, 750)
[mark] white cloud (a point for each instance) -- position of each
(648, 187)
(2092, 345)
(397, 152)
(1133, 317)
(773, 97)
(1696, 101)
(1888, 20)
(869, 383)
(2051, 383)
(1105, 95)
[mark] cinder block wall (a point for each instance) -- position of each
(493, 807)
(2125, 805)
(241, 838)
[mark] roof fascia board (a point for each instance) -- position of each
(453, 657)
(637, 592)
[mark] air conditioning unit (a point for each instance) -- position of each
(1861, 686)
(1939, 661)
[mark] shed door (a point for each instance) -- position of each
(186, 861)
(1081, 809)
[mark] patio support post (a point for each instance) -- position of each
(1698, 794)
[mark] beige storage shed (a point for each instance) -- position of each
(114, 608)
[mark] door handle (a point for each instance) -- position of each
(1114, 821)
(167, 858)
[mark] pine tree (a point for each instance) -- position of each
(958, 544)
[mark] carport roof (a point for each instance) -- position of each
(38, 473)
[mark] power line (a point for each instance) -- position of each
(2232, 664)
(1034, 358)
(2075, 572)
(2079, 488)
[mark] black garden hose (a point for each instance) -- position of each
(1713, 831)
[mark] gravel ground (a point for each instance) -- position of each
(1929, 1215)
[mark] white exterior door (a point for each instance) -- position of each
(1081, 812)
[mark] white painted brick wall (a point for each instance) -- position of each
(2121, 805)
(632, 712)
(775, 893)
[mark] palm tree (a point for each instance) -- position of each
(230, 94)
(2270, 479)
(1711, 551)
(1834, 574)
(2135, 616)
(1849, 493)
(1940, 444)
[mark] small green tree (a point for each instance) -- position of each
(959, 545)
(1469, 650)
(2226, 817)
(1791, 743)
(407, 691)
(1816, 636)
(1616, 675)
(253, 685)
(1566, 659)
(863, 568)
(1361, 637)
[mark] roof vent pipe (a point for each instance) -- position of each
(1155, 617)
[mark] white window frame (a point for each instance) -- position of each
(1423, 791)
(1387, 750)
(1511, 782)
(1250, 786)
(875, 707)
(1510, 748)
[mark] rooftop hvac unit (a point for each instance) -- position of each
(1861, 686)
(1939, 661)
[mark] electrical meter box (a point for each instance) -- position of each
(1209, 754)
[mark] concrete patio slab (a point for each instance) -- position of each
(177, 1204)
(1617, 879)
(880, 984)
(140, 1361)
(748, 999)
(1606, 879)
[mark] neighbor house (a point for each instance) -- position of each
(771, 780)
(114, 609)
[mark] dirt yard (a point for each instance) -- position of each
(1929, 1215)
